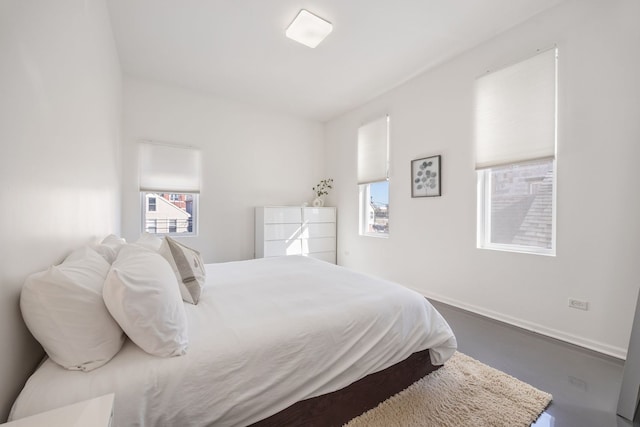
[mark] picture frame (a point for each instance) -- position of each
(426, 178)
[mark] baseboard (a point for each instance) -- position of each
(609, 350)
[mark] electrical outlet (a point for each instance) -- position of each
(579, 304)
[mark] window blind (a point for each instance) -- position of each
(516, 112)
(169, 168)
(373, 151)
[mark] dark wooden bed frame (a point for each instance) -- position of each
(338, 407)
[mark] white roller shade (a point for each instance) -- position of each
(516, 112)
(169, 168)
(373, 151)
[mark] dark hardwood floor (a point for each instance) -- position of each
(585, 385)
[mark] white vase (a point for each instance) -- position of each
(318, 202)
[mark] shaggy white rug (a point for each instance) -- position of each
(464, 392)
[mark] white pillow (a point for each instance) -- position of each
(109, 247)
(64, 310)
(141, 293)
(149, 241)
(188, 267)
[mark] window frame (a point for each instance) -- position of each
(498, 151)
(484, 186)
(194, 214)
(372, 167)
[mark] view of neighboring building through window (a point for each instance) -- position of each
(375, 199)
(169, 213)
(515, 156)
(519, 205)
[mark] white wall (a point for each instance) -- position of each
(251, 157)
(60, 114)
(432, 243)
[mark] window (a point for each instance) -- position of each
(515, 156)
(173, 213)
(374, 200)
(169, 188)
(518, 207)
(373, 175)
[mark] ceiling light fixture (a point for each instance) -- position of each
(308, 29)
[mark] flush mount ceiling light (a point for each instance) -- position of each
(308, 29)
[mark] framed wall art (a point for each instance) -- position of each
(425, 177)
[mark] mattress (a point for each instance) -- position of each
(266, 334)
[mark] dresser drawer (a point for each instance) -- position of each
(318, 215)
(322, 244)
(280, 215)
(282, 247)
(281, 231)
(320, 229)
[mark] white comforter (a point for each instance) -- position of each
(266, 333)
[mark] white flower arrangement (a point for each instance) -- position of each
(323, 187)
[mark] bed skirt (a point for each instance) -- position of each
(339, 407)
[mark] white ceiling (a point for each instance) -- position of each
(237, 48)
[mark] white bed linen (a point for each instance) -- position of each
(266, 333)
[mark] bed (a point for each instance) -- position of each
(273, 341)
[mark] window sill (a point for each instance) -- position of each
(376, 235)
(519, 249)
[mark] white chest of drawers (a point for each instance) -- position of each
(291, 230)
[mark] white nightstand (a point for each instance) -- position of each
(96, 412)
